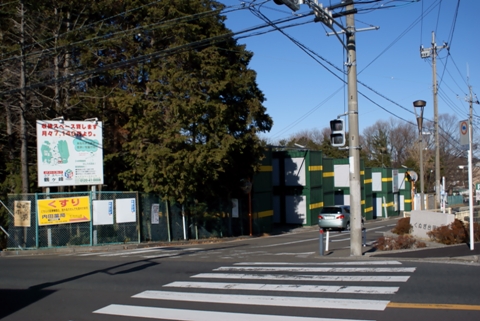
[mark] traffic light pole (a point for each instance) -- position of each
(354, 142)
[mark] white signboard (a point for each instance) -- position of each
(235, 208)
(154, 214)
(296, 209)
(295, 171)
(395, 180)
(341, 176)
(425, 221)
(126, 210)
(69, 153)
(103, 212)
(377, 182)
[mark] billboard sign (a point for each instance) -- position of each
(63, 210)
(69, 153)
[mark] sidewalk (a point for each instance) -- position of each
(437, 251)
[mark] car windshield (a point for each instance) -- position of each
(331, 209)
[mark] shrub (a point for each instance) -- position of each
(476, 232)
(454, 233)
(403, 226)
(401, 242)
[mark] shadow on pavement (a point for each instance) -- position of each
(14, 300)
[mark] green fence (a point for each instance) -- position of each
(29, 227)
(154, 220)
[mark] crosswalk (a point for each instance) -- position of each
(317, 285)
(164, 252)
(146, 253)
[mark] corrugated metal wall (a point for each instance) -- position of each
(262, 197)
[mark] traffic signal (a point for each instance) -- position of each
(337, 135)
(292, 4)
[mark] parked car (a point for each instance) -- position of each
(335, 218)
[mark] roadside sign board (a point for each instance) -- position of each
(464, 134)
(70, 153)
(63, 210)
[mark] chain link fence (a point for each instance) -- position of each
(192, 220)
(27, 229)
(155, 220)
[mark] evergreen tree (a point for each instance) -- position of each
(181, 110)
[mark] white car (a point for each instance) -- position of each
(335, 217)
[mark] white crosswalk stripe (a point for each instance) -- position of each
(147, 253)
(288, 301)
(274, 284)
(196, 315)
(285, 287)
(327, 278)
(314, 269)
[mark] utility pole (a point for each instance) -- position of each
(425, 53)
(354, 144)
(326, 16)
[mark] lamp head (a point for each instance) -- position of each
(421, 105)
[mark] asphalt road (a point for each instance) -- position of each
(276, 278)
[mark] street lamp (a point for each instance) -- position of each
(420, 104)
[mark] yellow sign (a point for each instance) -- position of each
(63, 210)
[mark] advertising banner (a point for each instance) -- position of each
(155, 210)
(69, 153)
(21, 213)
(126, 210)
(63, 210)
(103, 212)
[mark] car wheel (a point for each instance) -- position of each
(348, 226)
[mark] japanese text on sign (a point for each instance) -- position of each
(63, 210)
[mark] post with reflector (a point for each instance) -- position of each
(321, 242)
(337, 135)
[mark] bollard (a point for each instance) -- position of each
(327, 241)
(364, 236)
(321, 241)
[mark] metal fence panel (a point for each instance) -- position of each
(175, 223)
(118, 232)
(71, 234)
(152, 231)
(22, 236)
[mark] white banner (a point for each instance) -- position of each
(155, 218)
(235, 211)
(69, 153)
(103, 212)
(126, 210)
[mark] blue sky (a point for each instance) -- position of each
(303, 95)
